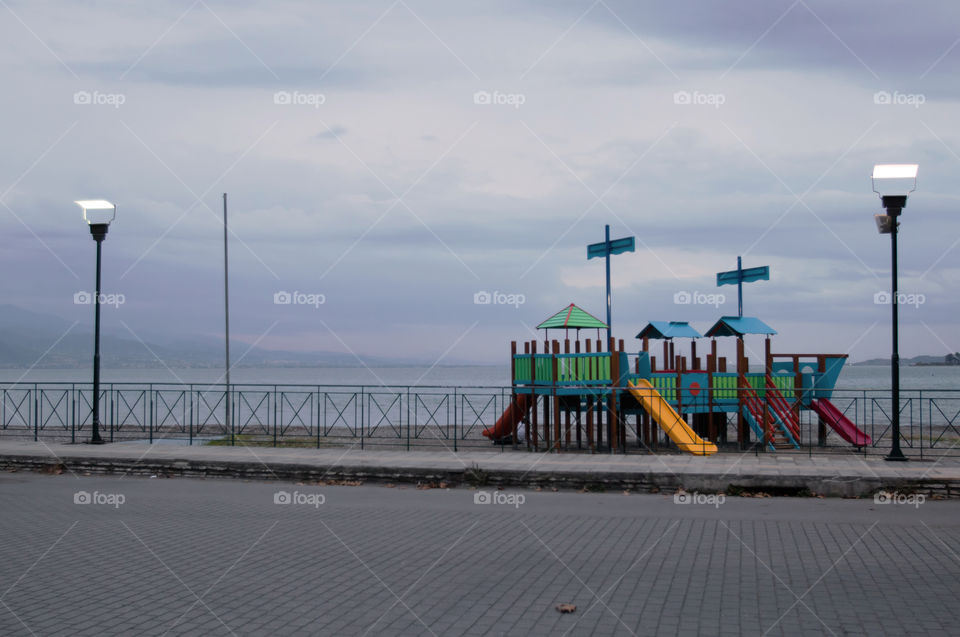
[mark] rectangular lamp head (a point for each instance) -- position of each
(97, 211)
(894, 179)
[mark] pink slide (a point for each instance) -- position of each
(840, 423)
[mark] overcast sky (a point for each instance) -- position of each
(399, 157)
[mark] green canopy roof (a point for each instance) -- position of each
(572, 317)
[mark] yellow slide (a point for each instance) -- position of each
(669, 420)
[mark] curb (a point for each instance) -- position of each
(645, 482)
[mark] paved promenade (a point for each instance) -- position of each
(832, 475)
(130, 555)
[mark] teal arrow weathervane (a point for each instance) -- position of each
(740, 276)
(606, 249)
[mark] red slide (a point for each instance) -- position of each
(840, 423)
(512, 416)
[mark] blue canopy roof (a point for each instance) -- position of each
(668, 329)
(739, 326)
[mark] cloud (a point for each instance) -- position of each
(433, 196)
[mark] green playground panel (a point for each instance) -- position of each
(571, 368)
(724, 386)
(666, 385)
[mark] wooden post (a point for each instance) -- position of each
(513, 389)
(821, 426)
(612, 418)
(579, 419)
(556, 397)
(590, 423)
(767, 418)
(694, 363)
(712, 425)
(742, 436)
(533, 397)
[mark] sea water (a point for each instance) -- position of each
(851, 378)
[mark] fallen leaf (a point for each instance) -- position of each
(566, 608)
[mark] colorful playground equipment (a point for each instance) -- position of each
(589, 393)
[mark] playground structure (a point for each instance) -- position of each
(587, 395)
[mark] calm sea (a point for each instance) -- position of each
(859, 377)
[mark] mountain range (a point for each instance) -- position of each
(45, 341)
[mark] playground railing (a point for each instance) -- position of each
(440, 417)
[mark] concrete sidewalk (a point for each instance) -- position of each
(783, 473)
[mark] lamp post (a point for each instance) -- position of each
(98, 214)
(895, 182)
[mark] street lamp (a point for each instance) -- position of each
(893, 182)
(98, 214)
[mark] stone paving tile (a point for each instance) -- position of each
(193, 557)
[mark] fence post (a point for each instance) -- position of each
(190, 391)
(150, 392)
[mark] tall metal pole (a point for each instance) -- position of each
(895, 452)
(609, 324)
(226, 316)
(99, 232)
(739, 287)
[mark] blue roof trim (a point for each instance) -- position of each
(668, 329)
(739, 326)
